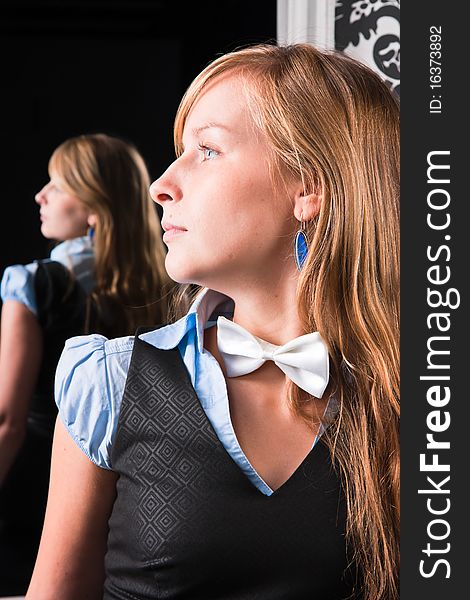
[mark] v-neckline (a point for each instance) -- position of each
(230, 460)
(273, 491)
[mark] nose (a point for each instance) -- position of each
(40, 197)
(165, 188)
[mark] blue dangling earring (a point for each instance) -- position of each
(300, 245)
(91, 233)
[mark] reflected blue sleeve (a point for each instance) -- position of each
(18, 284)
(89, 384)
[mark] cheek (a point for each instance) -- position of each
(75, 214)
(74, 211)
(69, 219)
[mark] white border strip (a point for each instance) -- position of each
(311, 21)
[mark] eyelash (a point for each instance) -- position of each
(205, 149)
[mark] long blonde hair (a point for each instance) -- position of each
(332, 123)
(109, 176)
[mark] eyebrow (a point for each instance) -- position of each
(210, 125)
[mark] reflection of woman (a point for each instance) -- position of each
(224, 490)
(109, 280)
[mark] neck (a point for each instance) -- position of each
(269, 311)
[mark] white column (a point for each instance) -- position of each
(311, 21)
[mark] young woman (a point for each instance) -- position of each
(250, 449)
(106, 275)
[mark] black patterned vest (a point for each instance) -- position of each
(188, 524)
(61, 306)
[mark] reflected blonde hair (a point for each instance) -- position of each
(109, 176)
(333, 124)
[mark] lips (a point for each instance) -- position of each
(171, 230)
(167, 226)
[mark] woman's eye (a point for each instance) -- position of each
(208, 153)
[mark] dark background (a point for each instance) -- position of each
(120, 67)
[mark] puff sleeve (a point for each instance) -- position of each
(18, 284)
(89, 384)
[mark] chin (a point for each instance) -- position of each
(176, 271)
(181, 277)
(182, 271)
(46, 232)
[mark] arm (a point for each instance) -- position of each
(70, 561)
(20, 359)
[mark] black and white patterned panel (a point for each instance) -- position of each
(369, 30)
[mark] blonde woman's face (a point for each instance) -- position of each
(63, 216)
(224, 220)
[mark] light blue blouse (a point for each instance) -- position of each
(92, 372)
(76, 254)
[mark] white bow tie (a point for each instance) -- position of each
(304, 359)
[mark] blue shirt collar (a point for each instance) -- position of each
(78, 256)
(71, 250)
(207, 306)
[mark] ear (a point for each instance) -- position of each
(307, 205)
(92, 220)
